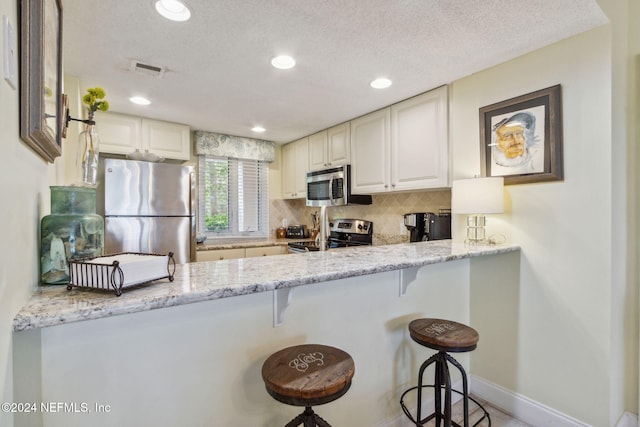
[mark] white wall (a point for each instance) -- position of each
(567, 330)
(24, 182)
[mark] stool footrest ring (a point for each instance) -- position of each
(430, 417)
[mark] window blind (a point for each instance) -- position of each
(234, 196)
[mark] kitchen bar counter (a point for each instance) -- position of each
(195, 282)
(240, 243)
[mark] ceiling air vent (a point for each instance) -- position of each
(147, 69)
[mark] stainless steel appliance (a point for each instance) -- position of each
(332, 187)
(343, 233)
(296, 232)
(150, 208)
(428, 225)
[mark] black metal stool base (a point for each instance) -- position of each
(442, 380)
(308, 419)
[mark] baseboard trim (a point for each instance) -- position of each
(516, 405)
(628, 420)
(521, 407)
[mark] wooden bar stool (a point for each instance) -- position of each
(445, 336)
(308, 375)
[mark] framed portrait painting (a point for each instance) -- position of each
(521, 138)
(41, 76)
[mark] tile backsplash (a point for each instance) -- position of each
(386, 212)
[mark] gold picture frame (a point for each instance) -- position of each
(521, 138)
(41, 113)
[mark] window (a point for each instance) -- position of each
(233, 197)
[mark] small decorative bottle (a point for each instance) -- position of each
(88, 152)
(73, 230)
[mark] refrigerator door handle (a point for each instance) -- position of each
(193, 203)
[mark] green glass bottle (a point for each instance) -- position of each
(73, 230)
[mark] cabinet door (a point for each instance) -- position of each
(265, 251)
(318, 151)
(419, 148)
(219, 254)
(338, 144)
(169, 140)
(302, 166)
(370, 153)
(288, 171)
(295, 160)
(119, 134)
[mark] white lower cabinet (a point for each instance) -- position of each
(220, 254)
(402, 147)
(123, 134)
(265, 251)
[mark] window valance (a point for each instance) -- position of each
(217, 144)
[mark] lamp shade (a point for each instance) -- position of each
(478, 196)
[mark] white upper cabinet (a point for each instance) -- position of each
(330, 147)
(295, 163)
(165, 139)
(370, 152)
(318, 151)
(402, 147)
(419, 142)
(123, 134)
(119, 134)
(339, 144)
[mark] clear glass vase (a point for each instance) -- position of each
(72, 231)
(88, 152)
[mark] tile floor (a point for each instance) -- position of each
(498, 418)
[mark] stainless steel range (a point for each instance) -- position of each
(343, 233)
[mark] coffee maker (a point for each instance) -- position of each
(416, 224)
(428, 226)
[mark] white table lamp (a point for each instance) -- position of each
(477, 197)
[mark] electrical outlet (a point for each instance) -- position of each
(9, 53)
(403, 229)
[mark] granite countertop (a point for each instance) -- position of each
(237, 243)
(201, 281)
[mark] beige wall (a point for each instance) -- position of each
(574, 351)
(24, 182)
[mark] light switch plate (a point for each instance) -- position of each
(9, 53)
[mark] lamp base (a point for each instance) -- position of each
(475, 228)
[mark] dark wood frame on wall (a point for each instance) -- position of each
(548, 105)
(41, 76)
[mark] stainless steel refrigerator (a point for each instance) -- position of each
(149, 208)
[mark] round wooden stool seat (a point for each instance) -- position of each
(443, 335)
(308, 374)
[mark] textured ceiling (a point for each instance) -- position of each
(219, 77)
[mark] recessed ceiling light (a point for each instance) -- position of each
(283, 62)
(380, 83)
(258, 129)
(139, 100)
(173, 9)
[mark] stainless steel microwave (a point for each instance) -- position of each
(332, 187)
